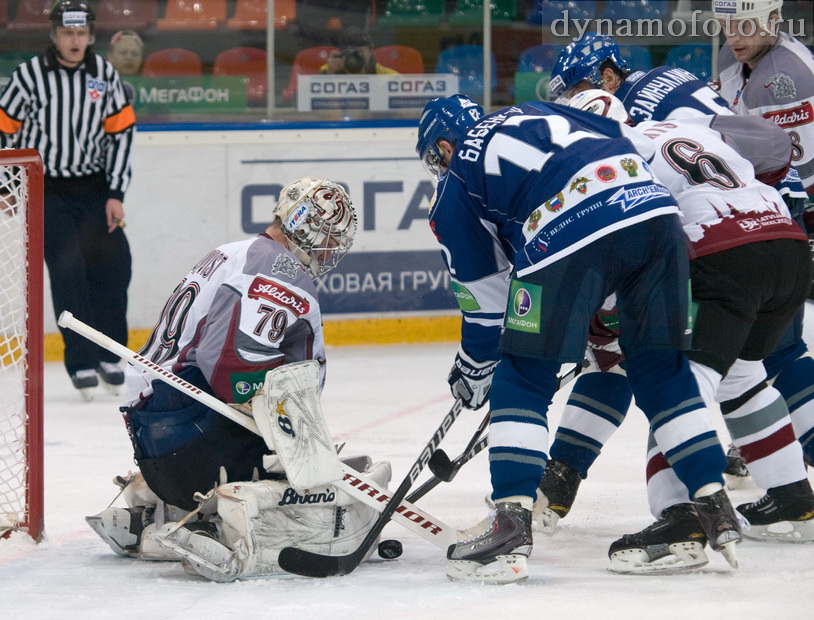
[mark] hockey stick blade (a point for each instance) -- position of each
(309, 564)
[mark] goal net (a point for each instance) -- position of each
(21, 343)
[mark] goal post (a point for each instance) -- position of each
(21, 342)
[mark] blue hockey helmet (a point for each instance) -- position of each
(581, 60)
(444, 118)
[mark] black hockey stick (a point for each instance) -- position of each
(462, 458)
(442, 467)
(440, 464)
(309, 564)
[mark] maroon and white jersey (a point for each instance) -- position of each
(722, 204)
(780, 88)
(245, 308)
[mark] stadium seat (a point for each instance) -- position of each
(546, 11)
(398, 13)
(696, 59)
(468, 12)
(3, 13)
(172, 62)
(402, 58)
(638, 57)
(192, 15)
(635, 9)
(538, 58)
(250, 62)
(253, 15)
(113, 15)
(31, 15)
(466, 61)
(306, 62)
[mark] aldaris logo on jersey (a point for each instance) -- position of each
(523, 313)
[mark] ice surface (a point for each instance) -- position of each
(383, 401)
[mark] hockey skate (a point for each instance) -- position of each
(112, 376)
(673, 544)
(84, 381)
(498, 555)
(121, 528)
(721, 524)
(735, 474)
(784, 514)
(197, 545)
(559, 489)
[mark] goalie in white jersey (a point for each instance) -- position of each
(247, 307)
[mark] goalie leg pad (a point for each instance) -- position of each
(200, 551)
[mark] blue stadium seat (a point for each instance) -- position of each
(538, 58)
(638, 57)
(546, 11)
(635, 9)
(466, 61)
(696, 59)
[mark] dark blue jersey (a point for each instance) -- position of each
(527, 186)
(668, 92)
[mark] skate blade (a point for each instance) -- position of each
(112, 389)
(783, 532)
(86, 394)
(730, 552)
(681, 558)
(547, 522)
(505, 569)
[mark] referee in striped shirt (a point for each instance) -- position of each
(70, 105)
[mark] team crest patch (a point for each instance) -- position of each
(285, 265)
(630, 166)
(782, 86)
(533, 220)
(96, 88)
(556, 203)
(605, 173)
(580, 184)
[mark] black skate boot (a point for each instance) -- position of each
(499, 554)
(735, 473)
(673, 544)
(559, 487)
(784, 514)
(720, 523)
(112, 376)
(121, 528)
(84, 381)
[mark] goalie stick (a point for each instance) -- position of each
(309, 564)
(446, 470)
(353, 483)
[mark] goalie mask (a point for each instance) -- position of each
(319, 220)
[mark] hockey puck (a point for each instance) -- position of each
(390, 549)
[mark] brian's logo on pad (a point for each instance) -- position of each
(276, 293)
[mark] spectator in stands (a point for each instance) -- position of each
(355, 55)
(314, 18)
(126, 54)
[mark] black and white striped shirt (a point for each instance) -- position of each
(79, 119)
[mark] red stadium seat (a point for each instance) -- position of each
(31, 15)
(136, 15)
(253, 15)
(306, 62)
(172, 62)
(193, 15)
(402, 58)
(3, 12)
(245, 61)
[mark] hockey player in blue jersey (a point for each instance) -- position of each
(543, 211)
(660, 94)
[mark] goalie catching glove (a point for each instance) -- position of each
(471, 380)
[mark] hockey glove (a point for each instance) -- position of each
(603, 352)
(470, 380)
